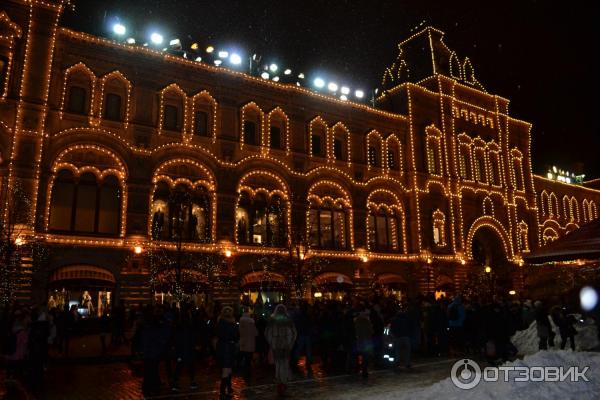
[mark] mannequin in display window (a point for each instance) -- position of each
(86, 302)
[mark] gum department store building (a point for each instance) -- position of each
(120, 150)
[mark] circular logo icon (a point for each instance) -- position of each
(465, 374)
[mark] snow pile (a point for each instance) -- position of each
(518, 390)
(527, 342)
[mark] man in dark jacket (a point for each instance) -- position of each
(363, 329)
(401, 330)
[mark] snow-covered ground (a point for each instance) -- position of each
(527, 342)
(446, 390)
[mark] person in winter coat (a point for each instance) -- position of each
(17, 351)
(543, 327)
(400, 328)
(185, 337)
(304, 327)
(363, 329)
(281, 335)
(456, 321)
(248, 334)
(565, 326)
(227, 337)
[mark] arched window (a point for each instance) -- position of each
(574, 209)
(545, 203)
(278, 124)
(585, 207)
(495, 166)
(78, 90)
(465, 157)
(317, 131)
(488, 206)
(567, 212)
(523, 237)
(393, 150)
(252, 121)
(480, 169)
(172, 109)
(439, 228)
(517, 161)
(384, 229)
(181, 213)
(549, 236)
(553, 206)
(115, 92)
(593, 211)
(262, 210)
(374, 146)
(85, 205)
(328, 217)
(340, 142)
(204, 114)
(433, 148)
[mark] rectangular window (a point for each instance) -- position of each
(85, 214)
(317, 149)
(382, 239)
(201, 123)
(339, 226)
(112, 107)
(275, 137)
(76, 102)
(325, 219)
(372, 233)
(171, 118)
(391, 155)
(249, 133)
(62, 200)
(338, 149)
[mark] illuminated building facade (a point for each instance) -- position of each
(105, 139)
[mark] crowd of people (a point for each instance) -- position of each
(347, 335)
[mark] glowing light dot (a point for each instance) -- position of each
(319, 83)
(218, 62)
(156, 38)
(588, 297)
(332, 86)
(235, 59)
(273, 67)
(287, 72)
(137, 249)
(345, 90)
(359, 94)
(264, 75)
(119, 29)
(223, 54)
(276, 79)
(210, 49)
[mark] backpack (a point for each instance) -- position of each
(453, 312)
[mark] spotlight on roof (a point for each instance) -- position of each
(156, 38)
(194, 46)
(359, 94)
(119, 29)
(130, 40)
(218, 62)
(223, 54)
(198, 59)
(235, 59)
(319, 82)
(287, 72)
(345, 90)
(297, 83)
(264, 75)
(175, 43)
(210, 49)
(275, 79)
(273, 67)
(332, 86)
(301, 75)
(343, 97)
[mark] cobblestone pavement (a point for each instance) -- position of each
(122, 381)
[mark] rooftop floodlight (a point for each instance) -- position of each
(119, 29)
(210, 49)
(175, 42)
(130, 40)
(319, 83)
(359, 94)
(198, 59)
(301, 75)
(275, 79)
(218, 62)
(287, 72)
(265, 75)
(156, 38)
(297, 83)
(273, 67)
(194, 46)
(332, 86)
(345, 90)
(223, 54)
(235, 59)
(343, 97)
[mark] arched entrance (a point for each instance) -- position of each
(392, 285)
(87, 288)
(332, 286)
(264, 287)
(194, 285)
(490, 272)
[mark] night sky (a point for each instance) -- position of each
(540, 56)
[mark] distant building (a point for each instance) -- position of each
(119, 149)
